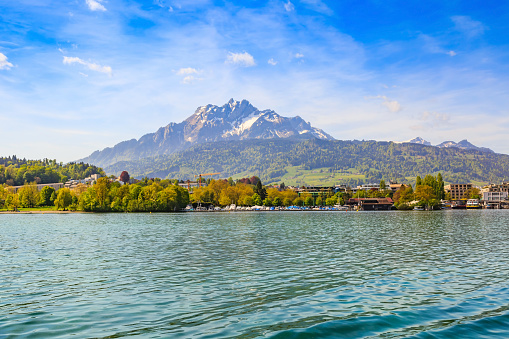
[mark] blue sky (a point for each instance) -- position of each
(81, 75)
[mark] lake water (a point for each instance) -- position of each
(395, 274)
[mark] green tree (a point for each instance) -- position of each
(382, 185)
(277, 201)
(257, 200)
(472, 193)
(308, 201)
(260, 190)
(29, 195)
(12, 202)
(45, 196)
(267, 202)
(331, 201)
(52, 198)
(64, 199)
(426, 195)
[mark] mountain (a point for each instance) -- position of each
(236, 120)
(322, 162)
(419, 141)
(463, 144)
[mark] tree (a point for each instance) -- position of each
(331, 201)
(12, 202)
(382, 185)
(277, 201)
(257, 200)
(440, 192)
(260, 190)
(53, 198)
(45, 196)
(224, 199)
(308, 201)
(101, 190)
(472, 193)
(124, 177)
(426, 195)
(64, 198)
(28, 195)
(298, 201)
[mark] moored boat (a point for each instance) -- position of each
(473, 204)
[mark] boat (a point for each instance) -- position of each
(457, 206)
(473, 204)
(419, 208)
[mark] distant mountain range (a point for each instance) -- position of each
(463, 144)
(236, 120)
(322, 162)
(237, 139)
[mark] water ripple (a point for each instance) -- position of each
(248, 275)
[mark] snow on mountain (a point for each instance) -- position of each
(463, 144)
(236, 120)
(419, 140)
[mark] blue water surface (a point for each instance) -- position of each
(394, 274)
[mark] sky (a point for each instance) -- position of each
(80, 75)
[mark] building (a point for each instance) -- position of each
(504, 187)
(15, 189)
(490, 196)
(395, 186)
(371, 204)
(457, 191)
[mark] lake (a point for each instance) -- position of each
(394, 274)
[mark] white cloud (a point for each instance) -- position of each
(272, 62)
(431, 120)
(90, 65)
(95, 5)
(188, 75)
(451, 53)
(299, 55)
(469, 27)
(4, 64)
(289, 6)
(243, 59)
(188, 70)
(392, 105)
(189, 79)
(319, 6)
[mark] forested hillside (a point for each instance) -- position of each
(272, 159)
(15, 171)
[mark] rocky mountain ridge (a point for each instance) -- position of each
(463, 144)
(236, 120)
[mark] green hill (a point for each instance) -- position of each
(322, 162)
(15, 171)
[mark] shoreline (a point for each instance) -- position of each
(41, 212)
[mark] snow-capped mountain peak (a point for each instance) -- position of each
(463, 144)
(235, 120)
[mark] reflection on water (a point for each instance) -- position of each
(282, 274)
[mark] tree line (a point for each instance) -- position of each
(104, 196)
(17, 172)
(269, 159)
